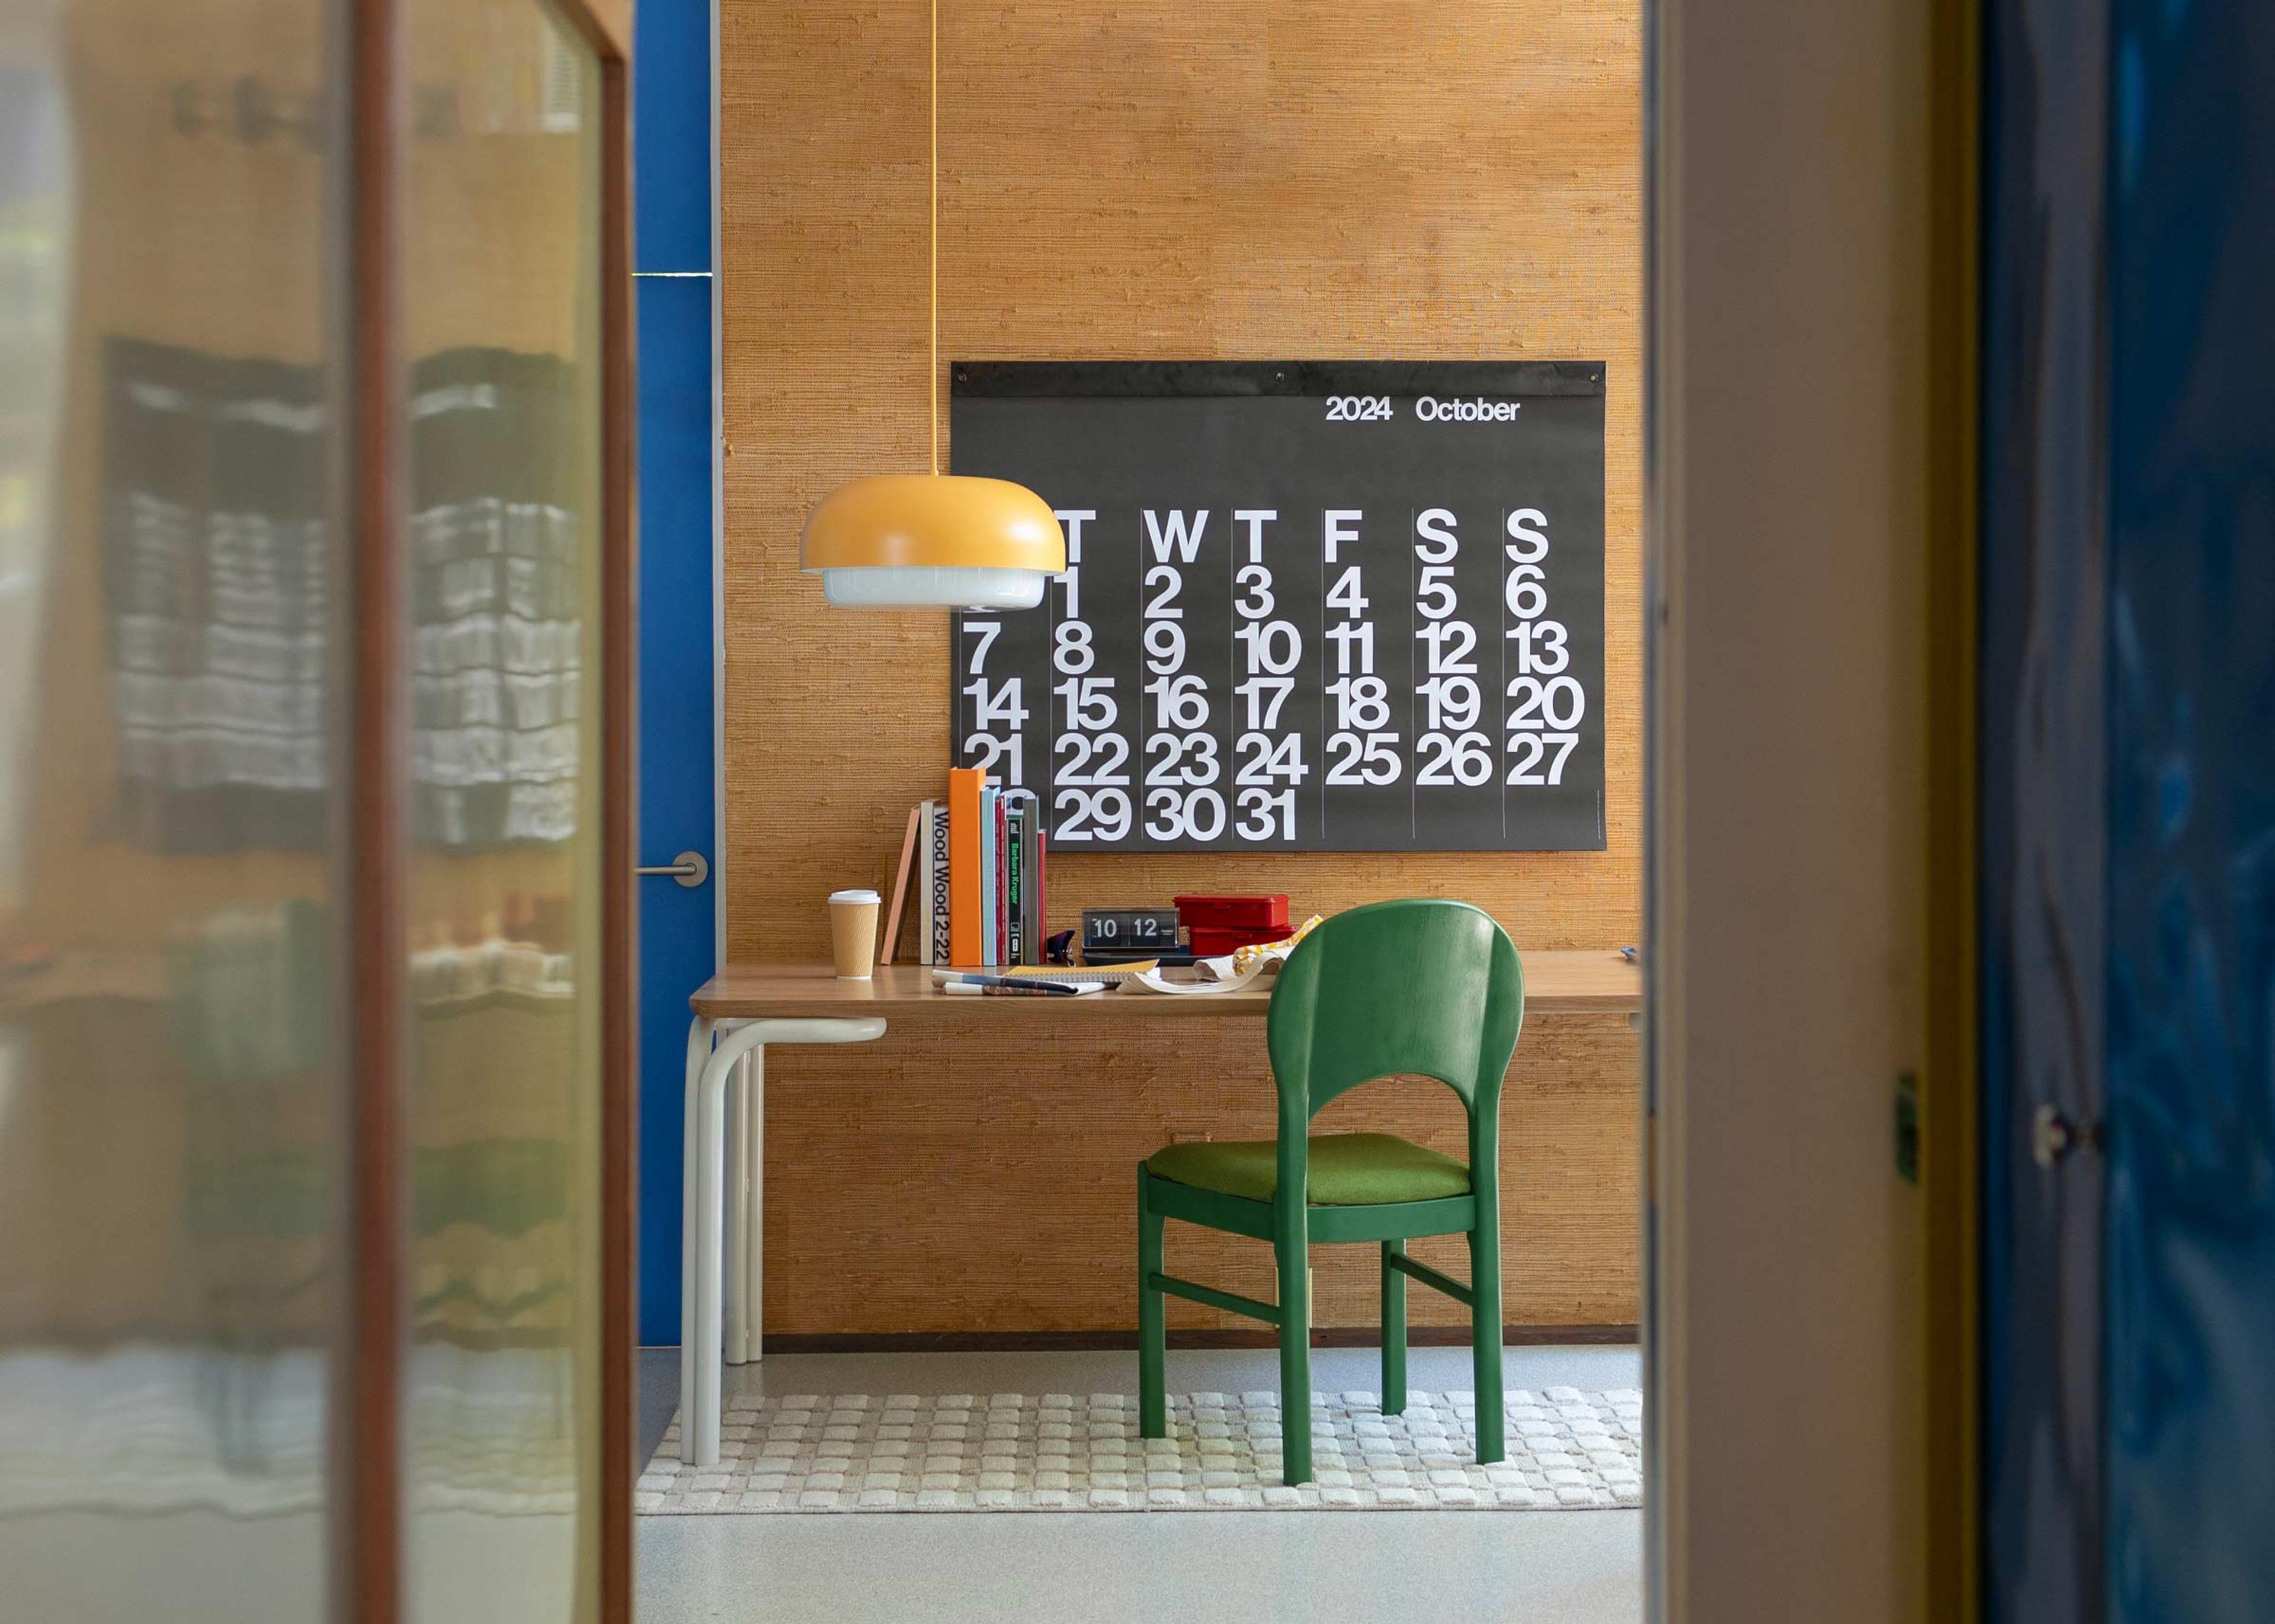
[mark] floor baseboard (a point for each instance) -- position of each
(1087, 1341)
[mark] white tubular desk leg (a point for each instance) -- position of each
(699, 1051)
(743, 1303)
(701, 1272)
(736, 1255)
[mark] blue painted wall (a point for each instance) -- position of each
(671, 112)
(671, 109)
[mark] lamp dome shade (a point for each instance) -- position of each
(927, 540)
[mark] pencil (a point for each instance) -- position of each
(957, 981)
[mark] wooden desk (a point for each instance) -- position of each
(745, 1007)
(1555, 984)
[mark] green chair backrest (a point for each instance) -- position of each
(1424, 987)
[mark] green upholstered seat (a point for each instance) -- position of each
(1348, 1169)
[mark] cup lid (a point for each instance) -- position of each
(855, 897)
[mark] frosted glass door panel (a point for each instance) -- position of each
(500, 314)
(170, 763)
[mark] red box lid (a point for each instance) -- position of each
(1261, 912)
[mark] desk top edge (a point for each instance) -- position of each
(1564, 982)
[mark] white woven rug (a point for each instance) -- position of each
(1011, 1452)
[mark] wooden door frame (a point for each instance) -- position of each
(1808, 488)
(367, 1439)
(609, 30)
(607, 27)
(1951, 1080)
(368, 1466)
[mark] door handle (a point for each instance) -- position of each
(2053, 1137)
(689, 868)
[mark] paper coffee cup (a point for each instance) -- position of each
(853, 932)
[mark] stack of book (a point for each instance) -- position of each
(979, 874)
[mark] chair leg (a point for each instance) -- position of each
(1153, 1333)
(1485, 1337)
(1294, 1365)
(1393, 1331)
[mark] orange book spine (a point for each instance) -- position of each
(963, 838)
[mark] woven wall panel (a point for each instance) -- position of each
(1258, 178)
(989, 1184)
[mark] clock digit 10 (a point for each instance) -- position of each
(1151, 930)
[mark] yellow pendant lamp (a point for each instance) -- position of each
(903, 540)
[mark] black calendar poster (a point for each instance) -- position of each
(1307, 606)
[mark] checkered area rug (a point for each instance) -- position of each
(1013, 1452)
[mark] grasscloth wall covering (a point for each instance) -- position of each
(1253, 179)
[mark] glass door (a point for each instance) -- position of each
(508, 554)
(172, 811)
(315, 856)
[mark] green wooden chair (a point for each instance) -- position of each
(1426, 987)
